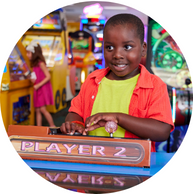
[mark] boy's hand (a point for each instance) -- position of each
(70, 128)
(99, 120)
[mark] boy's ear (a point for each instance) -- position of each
(144, 49)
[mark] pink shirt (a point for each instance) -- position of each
(150, 98)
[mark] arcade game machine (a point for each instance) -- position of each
(16, 89)
(83, 57)
(95, 27)
(102, 165)
(167, 62)
(50, 33)
(93, 22)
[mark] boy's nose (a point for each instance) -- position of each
(117, 54)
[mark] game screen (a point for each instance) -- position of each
(79, 47)
(18, 69)
(51, 47)
(51, 21)
(80, 44)
(167, 61)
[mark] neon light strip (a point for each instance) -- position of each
(174, 104)
(94, 9)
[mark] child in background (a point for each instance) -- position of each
(40, 76)
(124, 92)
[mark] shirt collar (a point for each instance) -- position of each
(144, 80)
(98, 75)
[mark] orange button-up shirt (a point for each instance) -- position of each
(150, 98)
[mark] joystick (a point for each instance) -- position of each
(111, 127)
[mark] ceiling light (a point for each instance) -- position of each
(115, 7)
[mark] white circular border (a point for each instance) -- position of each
(17, 16)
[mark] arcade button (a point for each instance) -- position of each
(75, 133)
(55, 130)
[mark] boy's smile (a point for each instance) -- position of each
(122, 51)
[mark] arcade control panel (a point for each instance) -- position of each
(44, 143)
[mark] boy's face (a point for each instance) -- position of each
(122, 51)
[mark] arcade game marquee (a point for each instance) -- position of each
(167, 62)
(86, 164)
(16, 89)
(50, 32)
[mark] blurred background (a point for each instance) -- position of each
(71, 38)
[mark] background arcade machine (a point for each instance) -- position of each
(93, 22)
(50, 33)
(167, 61)
(16, 89)
(83, 57)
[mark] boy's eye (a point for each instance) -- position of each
(128, 47)
(109, 48)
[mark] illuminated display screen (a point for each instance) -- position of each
(51, 47)
(167, 60)
(17, 66)
(79, 55)
(80, 44)
(51, 21)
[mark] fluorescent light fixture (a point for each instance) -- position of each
(99, 35)
(115, 7)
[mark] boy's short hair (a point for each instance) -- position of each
(124, 19)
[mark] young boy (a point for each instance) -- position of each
(124, 92)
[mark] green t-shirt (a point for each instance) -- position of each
(113, 96)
